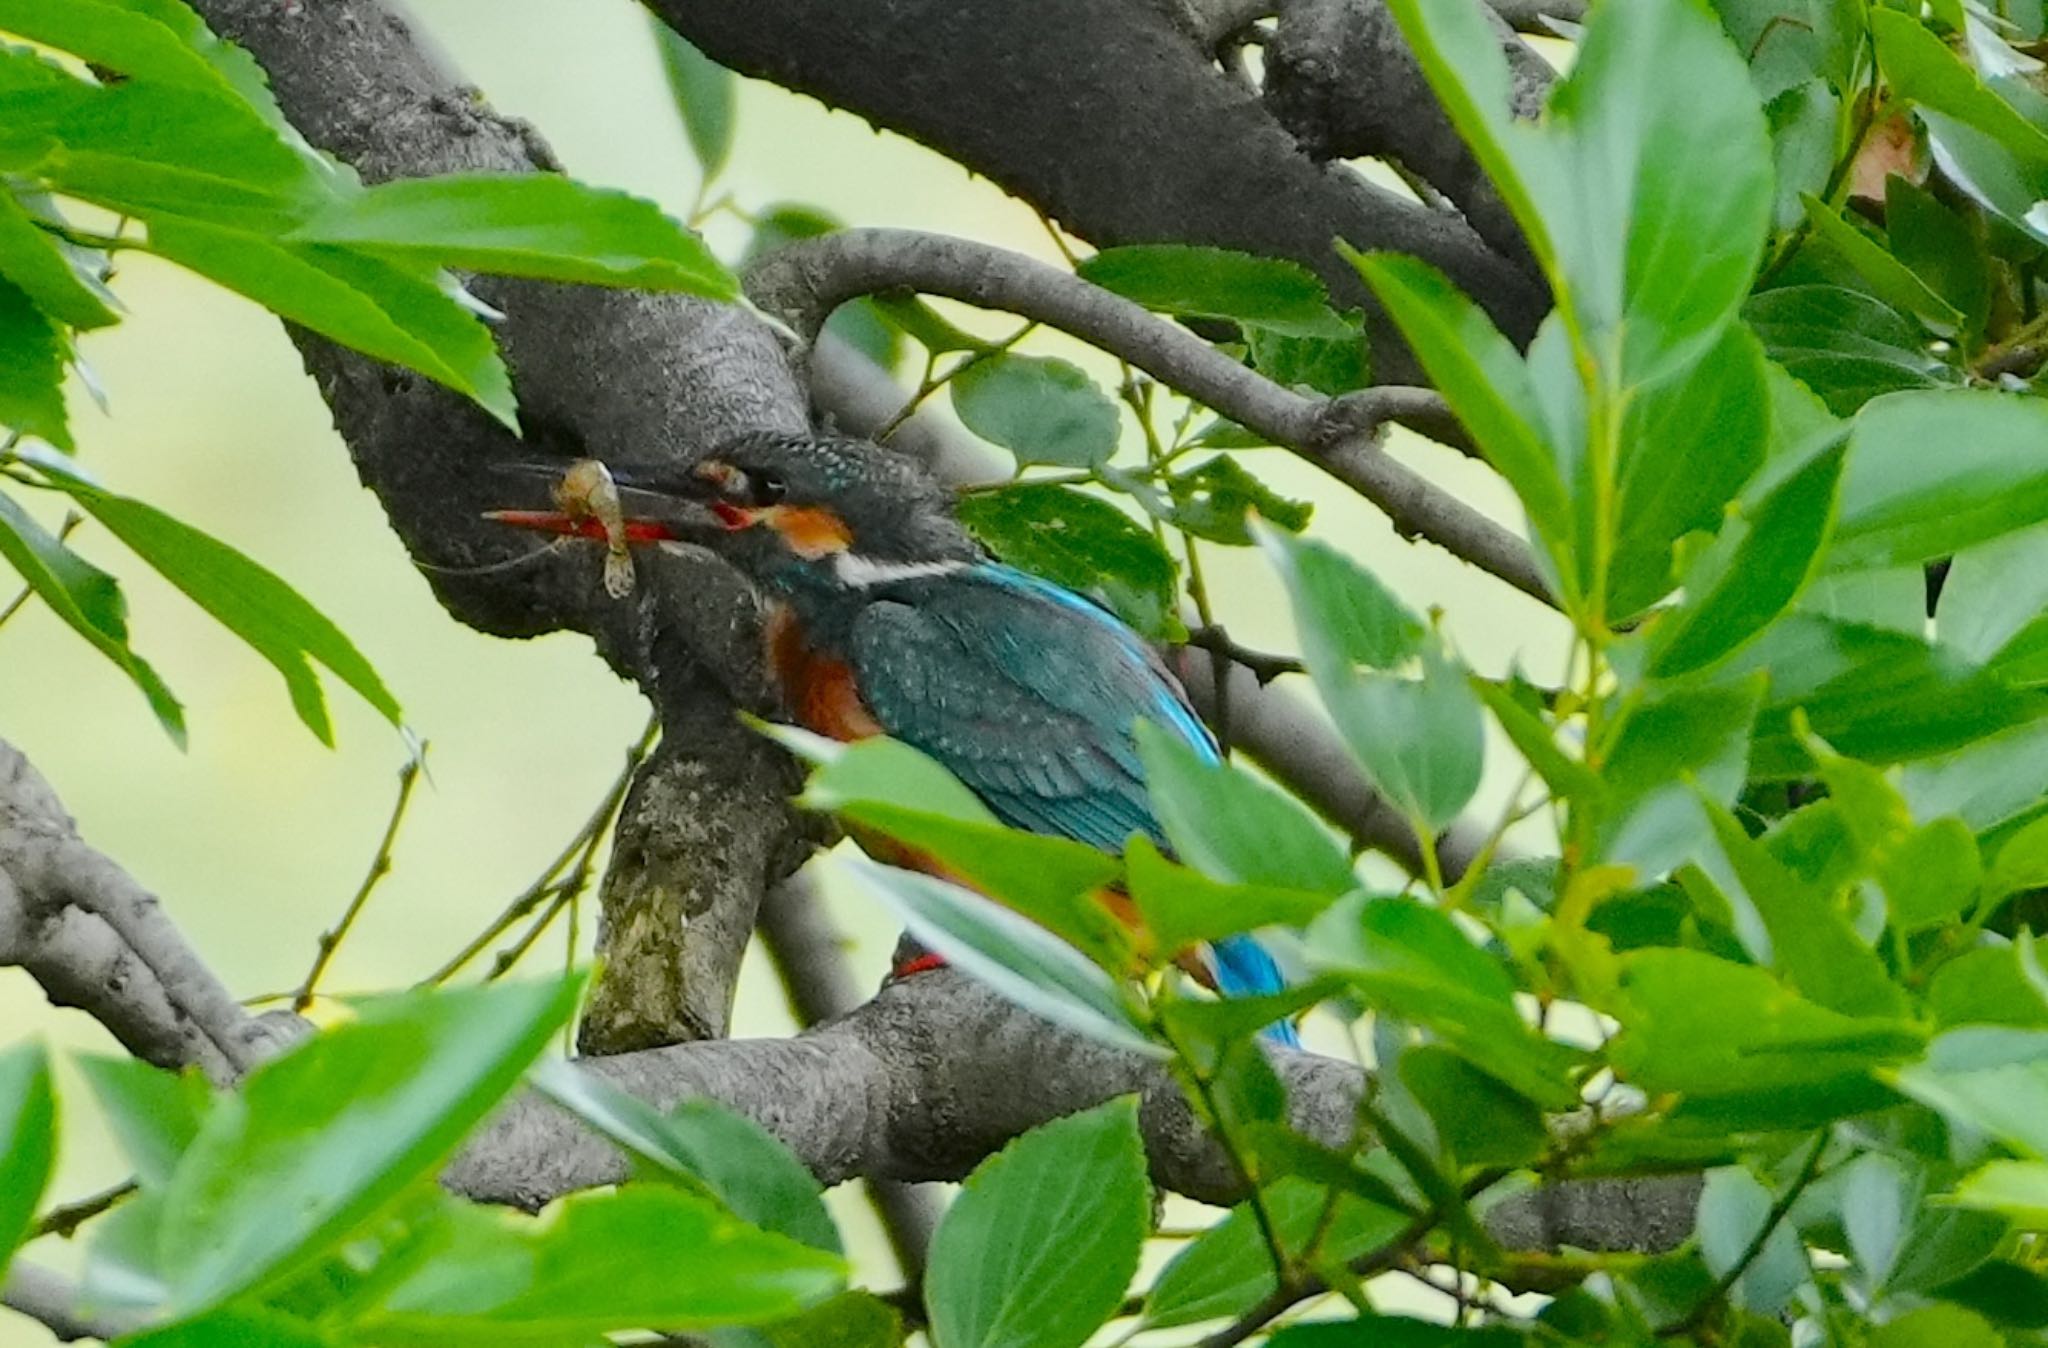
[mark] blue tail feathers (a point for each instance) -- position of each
(1244, 969)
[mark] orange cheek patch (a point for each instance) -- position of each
(811, 531)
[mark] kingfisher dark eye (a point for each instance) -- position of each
(766, 488)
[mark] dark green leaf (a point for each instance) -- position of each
(28, 1141)
(1216, 499)
(1804, 121)
(1674, 747)
(1940, 247)
(1229, 1269)
(525, 224)
(1753, 570)
(1937, 1327)
(1183, 907)
(1879, 1196)
(1082, 542)
(2004, 1291)
(1902, 504)
(926, 325)
(729, 1157)
(1398, 1331)
(234, 1324)
(32, 358)
(1889, 279)
(153, 1113)
(42, 266)
(1013, 955)
(1477, 1118)
(406, 319)
(704, 95)
(87, 599)
(323, 1136)
(1229, 824)
(1042, 409)
(1038, 1248)
(636, 1258)
(1327, 365)
(253, 603)
(1262, 292)
(1846, 346)
(1688, 443)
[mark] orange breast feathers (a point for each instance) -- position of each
(818, 689)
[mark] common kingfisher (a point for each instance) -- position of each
(885, 617)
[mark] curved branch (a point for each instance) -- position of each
(805, 282)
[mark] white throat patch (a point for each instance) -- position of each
(864, 573)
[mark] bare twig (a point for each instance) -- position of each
(52, 1300)
(805, 282)
(380, 866)
(65, 1219)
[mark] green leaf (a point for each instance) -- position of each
(86, 598)
(1991, 1079)
(1902, 504)
(235, 66)
(727, 1156)
(1011, 954)
(1082, 542)
(1921, 67)
(1260, 292)
(1734, 1208)
(877, 769)
(1937, 1326)
(1042, 409)
(1757, 565)
(1940, 248)
(1677, 745)
(1810, 940)
(41, 266)
(1183, 907)
(250, 601)
(525, 224)
(2021, 863)
(1564, 774)
(1327, 365)
(865, 324)
(1217, 498)
(32, 355)
(1228, 1269)
(1889, 279)
(1399, 1331)
(2018, 1189)
(1846, 346)
(1421, 740)
(1480, 1120)
(1879, 1196)
(1231, 825)
(1412, 961)
(28, 1141)
(154, 1114)
(234, 1324)
(1986, 986)
(377, 308)
(321, 1137)
(1742, 1048)
(1482, 377)
(1804, 123)
(114, 37)
(704, 95)
(1038, 1248)
(1345, 615)
(636, 1258)
(1688, 443)
(1994, 600)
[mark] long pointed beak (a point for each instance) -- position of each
(647, 514)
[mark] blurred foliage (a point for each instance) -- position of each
(1801, 826)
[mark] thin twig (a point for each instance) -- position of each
(1723, 1285)
(65, 1219)
(546, 883)
(380, 866)
(1264, 666)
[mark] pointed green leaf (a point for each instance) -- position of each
(1263, 292)
(153, 1113)
(1080, 541)
(1038, 1248)
(32, 356)
(704, 95)
(42, 267)
(28, 1141)
(1042, 409)
(1183, 907)
(1227, 823)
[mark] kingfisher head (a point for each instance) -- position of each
(789, 510)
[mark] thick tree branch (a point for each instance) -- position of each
(805, 282)
(1340, 76)
(1110, 119)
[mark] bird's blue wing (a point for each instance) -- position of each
(1030, 695)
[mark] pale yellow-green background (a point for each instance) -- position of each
(256, 835)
